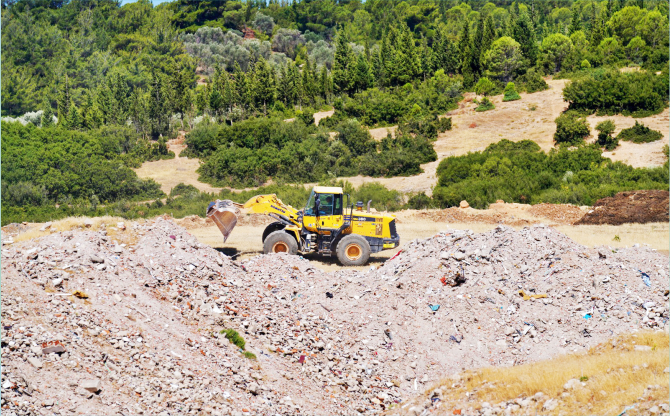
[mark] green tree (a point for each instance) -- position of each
(636, 50)
(364, 78)
(158, 108)
(484, 86)
(181, 94)
(264, 83)
(556, 48)
(571, 128)
(47, 114)
(504, 59)
(63, 101)
(342, 63)
(576, 23)
(489, 35)
(524, 34)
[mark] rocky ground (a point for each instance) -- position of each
(127, 319)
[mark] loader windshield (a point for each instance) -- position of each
(330, 204)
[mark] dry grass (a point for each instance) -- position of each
(618, 376)
(656, 235)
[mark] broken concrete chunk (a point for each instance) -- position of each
(35, 362)
(46, 226)
(56, 348)
(97, 259)
(91, 385)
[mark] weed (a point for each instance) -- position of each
(234, 337)
(616, 238)
(250, 355)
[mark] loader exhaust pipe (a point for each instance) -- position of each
(369, 202)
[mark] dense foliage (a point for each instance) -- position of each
(605, 138)
(54, 165)
(250, 152)
(639, 133)
(521, 172)
(90, 74)
(606, 91)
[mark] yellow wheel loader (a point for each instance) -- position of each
(328, 225)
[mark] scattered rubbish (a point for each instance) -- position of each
(174, 237)
(79, 294)
(527, 297)
(434, 308)
(396, 255)
(645, 278)
(329, 295)
(387, 332)
(587, 316)
(301, 360)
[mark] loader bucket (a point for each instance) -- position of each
(224, 214)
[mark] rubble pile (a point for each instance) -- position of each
(91, 326)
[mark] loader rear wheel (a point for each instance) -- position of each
(353, 250)
(280, 242)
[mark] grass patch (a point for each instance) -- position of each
(615, 374)
(484, 105)
(234, 337)
(249, 355)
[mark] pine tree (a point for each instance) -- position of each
(181, 96)
(576, 23)
(283, 85)
(139, 112)
(90, 113)
(47, 114)
(489, 35)
(324, 84)
(158, 111)
(364, 78)
(294, 88)
(264, 87)
(74, 117)
(464, 47)
(240, 97)
(524, 33)
(342, 64)
(216, 103)
(445, 54)
(426, 56)
(598, 33)
(476, 48)
(201, 100)
(63, 103)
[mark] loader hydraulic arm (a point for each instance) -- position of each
(224, 213)
(272, 206)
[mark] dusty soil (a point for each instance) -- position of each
(629, 207)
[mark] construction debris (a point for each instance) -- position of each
(149, 334)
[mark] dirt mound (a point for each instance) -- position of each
(629, 207)
(558, 213)
(95, 326)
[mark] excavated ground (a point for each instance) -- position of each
(127, 319)
(629, 207)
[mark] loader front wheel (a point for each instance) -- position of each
(280, 242)
(353, 250)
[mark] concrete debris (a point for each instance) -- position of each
(150, 327)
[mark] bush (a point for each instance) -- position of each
(639, 133)
(484, 86)
(485, 105)
(532, 81)
(605, 139)
(419, 201)
(571, 128)
(608, 91)
(521, 172)
(510, 93)
(306, 116)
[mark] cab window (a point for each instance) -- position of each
(309, 209)
(337, 208)
(327, 204)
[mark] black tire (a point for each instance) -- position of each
(280, 242)
(353, 250)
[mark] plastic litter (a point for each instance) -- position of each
(329, 295)
(537, 296)
(587, 316)
(434, 308)
(645, 278)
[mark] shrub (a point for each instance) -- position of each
(639, 133)
(521, 172)
(484, 86)
(485, 105)
(571, 128)
(605, 139)
(608, 91)
(585, 64)
(510, 93)
(419, 201)
(306, 116)
(532, 81)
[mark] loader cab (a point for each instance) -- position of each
(325, 209)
